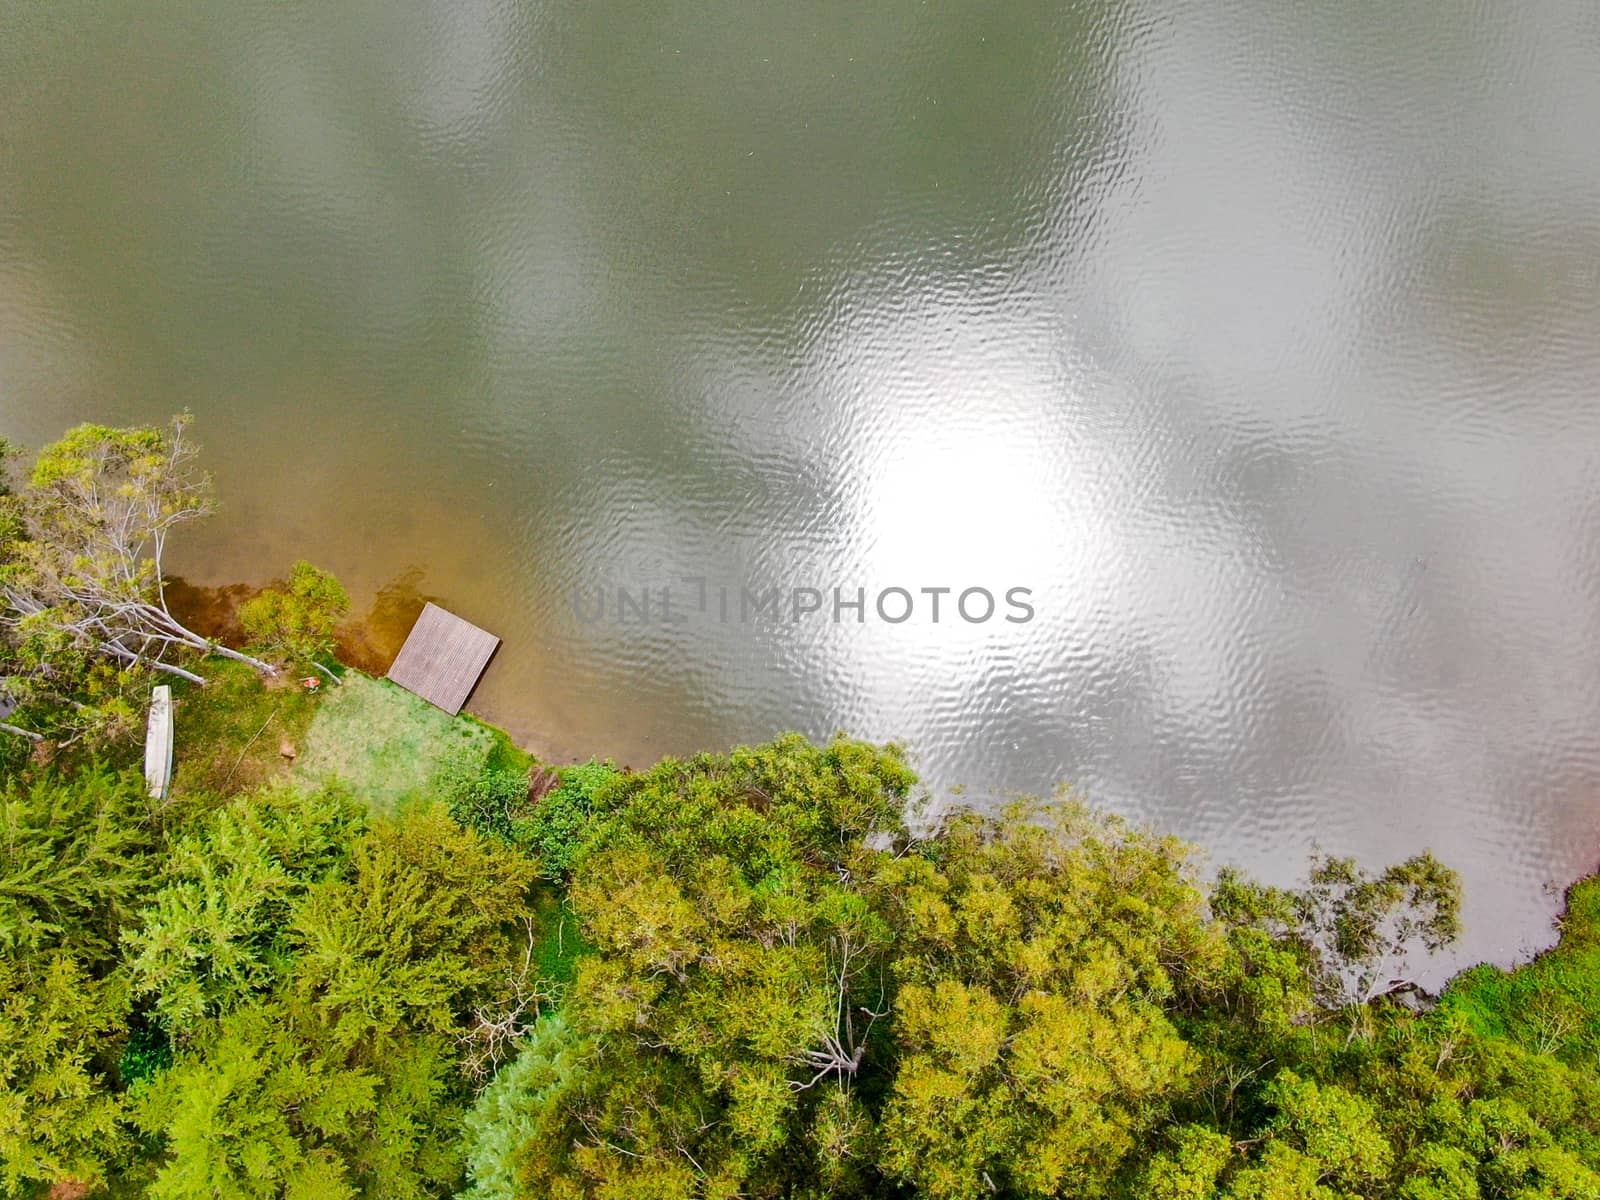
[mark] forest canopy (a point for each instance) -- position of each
(769, 987)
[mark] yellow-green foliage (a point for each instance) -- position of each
(767, 988)
(555, 828)
(331, 1069)
(1189, 1169)
(267, 1108)
(1039, 1004)
(75, 856)
(296, 617)
(734, 955)
(75, 859)
(796, 1009)
(1033, 955)
(59, 1119)
(520, 1106)
(216, 931)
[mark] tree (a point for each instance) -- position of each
(297, 618)
(332, 1068)
(491, 799)
(1036, 955)
(1326, 1083)
(49, 685)
(515, 1108)
(60, 1122)
(1332, 1127)
(85, 543)
(265, 1108)
(216, 932)
(421, 928)
(736, 989)
(556, 826)
(1189, 1170)
(504, 804)
(11, 663)
(60, 691)
(76, 856)
(783, 993)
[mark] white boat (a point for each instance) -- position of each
(158, 743)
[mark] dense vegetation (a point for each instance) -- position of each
(781, 992)
(739, 975)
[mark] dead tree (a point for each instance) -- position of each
(83, 558)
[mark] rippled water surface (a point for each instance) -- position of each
(1260, 340)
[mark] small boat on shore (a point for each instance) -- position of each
(158, 743)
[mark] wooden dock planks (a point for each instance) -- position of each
(443, 658)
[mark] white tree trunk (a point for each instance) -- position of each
(179, 672)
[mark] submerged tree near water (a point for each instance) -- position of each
(82, 590)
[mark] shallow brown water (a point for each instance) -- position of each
(1258, 340)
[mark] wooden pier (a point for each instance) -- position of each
(443, 658)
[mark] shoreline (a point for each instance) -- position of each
(1562, 925)
(359, 632)
(367, 644)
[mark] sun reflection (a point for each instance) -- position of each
(960, 507)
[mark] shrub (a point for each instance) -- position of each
(555, 827)
(488, 799)
(297, 618)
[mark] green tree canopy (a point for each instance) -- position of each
(333, 1069)
(59, 1119)
(217, 931)
(76, 855)
(738, 963)
(1036, 955)
(782, 992)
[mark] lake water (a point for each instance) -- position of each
(1260, 341)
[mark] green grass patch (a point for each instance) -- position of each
(227, 735)
(1552, 1004)
(560, 942)
(386, 743)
